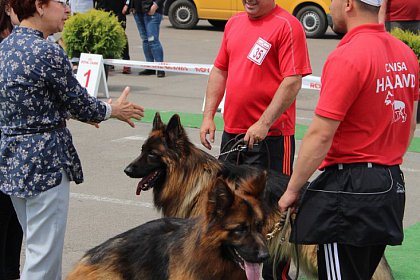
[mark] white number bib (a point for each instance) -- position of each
(259, 51)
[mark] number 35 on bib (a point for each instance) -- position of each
(259, 51)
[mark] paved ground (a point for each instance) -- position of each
(106, 204)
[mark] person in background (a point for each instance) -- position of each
(404, 14)
(364, 122)
(260, 65)
(80, 6)
(148, 16)
(120, 9)
(11, 234)
(38, 93)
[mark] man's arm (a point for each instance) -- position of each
(315, 146)
(282, 100)
(214, 94)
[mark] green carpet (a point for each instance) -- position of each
(193, 120)
(404, 259)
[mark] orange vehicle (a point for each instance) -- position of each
(184, 14)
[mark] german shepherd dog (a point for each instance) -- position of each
(181, 175)
(225, 243)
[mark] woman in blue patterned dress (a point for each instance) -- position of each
(38, 92)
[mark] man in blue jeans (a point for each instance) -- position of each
(148, 15)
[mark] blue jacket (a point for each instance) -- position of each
(38, 92)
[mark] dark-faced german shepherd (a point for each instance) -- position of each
(181, 174)
(225, 243)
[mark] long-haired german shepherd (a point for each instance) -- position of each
(181, 174)
(224, 243)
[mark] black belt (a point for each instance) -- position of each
(342, 166)
(60, 125)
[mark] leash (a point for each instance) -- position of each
(239, 148)
(281, 227)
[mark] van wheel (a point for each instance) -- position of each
(217, 23)
(183, 14)
(314, 21)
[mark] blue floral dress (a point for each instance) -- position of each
(38, 92)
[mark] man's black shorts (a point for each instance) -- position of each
(355, 204)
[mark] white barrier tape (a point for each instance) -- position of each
(311, 82)
(308, 82)
(202, 69)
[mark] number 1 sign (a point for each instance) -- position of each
(91, 74)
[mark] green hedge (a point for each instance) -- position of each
(95, 31)
(409, 38)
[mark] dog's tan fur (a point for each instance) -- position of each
(189, 171)
(188, 249)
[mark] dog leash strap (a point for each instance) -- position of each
(239, 148)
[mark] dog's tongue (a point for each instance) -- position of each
(253, 271)
(139, 185)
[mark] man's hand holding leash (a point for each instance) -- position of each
(256, 133)
(288, 200)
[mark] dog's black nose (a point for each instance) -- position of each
(263, 255)
(128, 170)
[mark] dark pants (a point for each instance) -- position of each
(274, 152)
(10, 240)
(346, 262)
(123, 21)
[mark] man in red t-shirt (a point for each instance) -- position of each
(364, 122)
(260, 65)
(403, 14)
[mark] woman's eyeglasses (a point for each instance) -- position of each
(64, 3)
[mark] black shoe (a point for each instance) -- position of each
(160, 74)
(147, 72)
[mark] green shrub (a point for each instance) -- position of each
(409, 38)
(95, 32)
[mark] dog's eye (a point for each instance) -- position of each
(240, 230)
(152, 156)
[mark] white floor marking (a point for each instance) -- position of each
(110, 200)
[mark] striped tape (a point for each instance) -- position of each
(308, 82)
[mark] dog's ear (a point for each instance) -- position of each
(157, 122)
(256, 182)
(174, 126)
(220, 198)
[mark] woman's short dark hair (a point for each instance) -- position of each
(5, 21)
(25, 8)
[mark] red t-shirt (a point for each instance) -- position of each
(403, 10)
(259, 55)
(369, 83)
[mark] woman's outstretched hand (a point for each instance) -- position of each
(125, 110)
